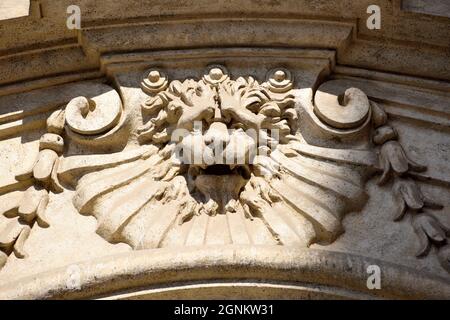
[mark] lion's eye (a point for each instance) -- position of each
(198, 91)
(238, 125)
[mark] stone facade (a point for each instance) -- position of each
(235, 150)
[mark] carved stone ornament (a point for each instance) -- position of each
(219, 160)
(224, 149)
(182, 191)
(222, 160)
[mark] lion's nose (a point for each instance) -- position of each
(217, 114)
(217, 134)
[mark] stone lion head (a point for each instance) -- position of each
(225, 164)
(219, 132)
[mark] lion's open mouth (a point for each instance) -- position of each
(220, 184)
(220, 170)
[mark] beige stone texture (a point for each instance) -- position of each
(222, 150)
(10, 9)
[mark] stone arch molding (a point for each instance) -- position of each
(318, 143)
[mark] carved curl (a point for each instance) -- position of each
(347, 111)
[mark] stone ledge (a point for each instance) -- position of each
(160, 268)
